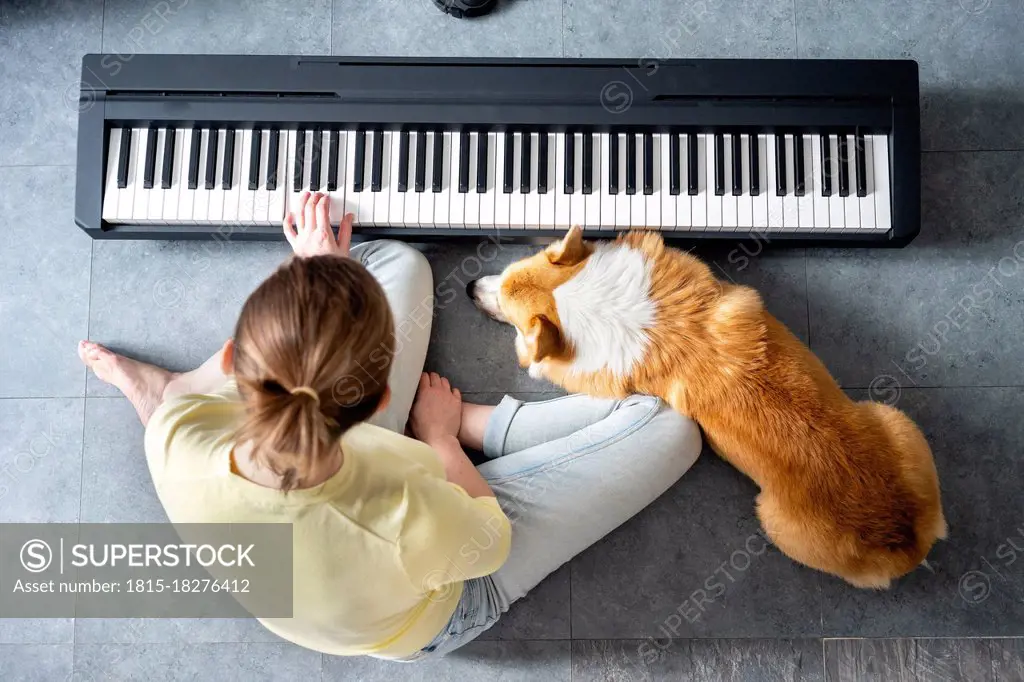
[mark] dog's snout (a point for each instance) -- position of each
(471, 288)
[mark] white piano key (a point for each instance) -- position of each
(487, 199)
(293, 197)
(532, 199)
(256, 202)
(652, 209)
(805, 204)
(426, 198)
(246, 196)
(179, 171)
(382, 199)
(110, 188)
(364, 199)
(851, 203)
(880, 176)
(683, 217)
(517, 200)
(396, 203)
(638, 201)
(577, 200)
(215, 214)
(814, 186)
(457, 207)
(790, 213)
(867, 203)
(410, 215)
(501, 198)
(307, 163)
(744, 202)
(623, 209)
(325, 163)
(730, 207)
(714, 200)
(547, 200)
(563, 201)
(472, 213)
(775, 209)
(338, 198)
(276, 199)
(442, 200)
(593, 200)
(201, 195)
(607, 198)
(140, 210)
(759, 204)
(233, 196)
(836, 208)
(705, 183)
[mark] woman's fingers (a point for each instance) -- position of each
(323, 212)
(309, 210)
(300, 215)
(345, 234)
(289, 229)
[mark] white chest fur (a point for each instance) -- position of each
(606, 310)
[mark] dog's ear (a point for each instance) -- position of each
(543, 339)
(571, 249)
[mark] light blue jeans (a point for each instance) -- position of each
(566, 471)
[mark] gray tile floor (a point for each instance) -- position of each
(686, 590)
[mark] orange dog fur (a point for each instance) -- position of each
(849, 488)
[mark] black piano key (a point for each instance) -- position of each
(737, 165)
(692, 164)
(333, 148)
(254, 159)
(570, 162)
(150, 168)
(844, 167)
(167, 170)
(648, 163)
(674, 163)
(800, 172)
(719, 164)
(436, 176)
(588, 163)
(420, 182)
(314, 161)
(193, 158)
(122, 157)
(211, 158)
(229, 159)
(755, 166)
(481, 163)
(403, 161)
(510, 162)
(377, 162)
(630, 163)
(862, 179)
(613, 163)
(274, 144)
(524, 164)
(826, 167)
(542, 163)
(780, 165)
(463, 162)
(300, 160)
(359, 162)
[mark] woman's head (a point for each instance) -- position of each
(312, 352)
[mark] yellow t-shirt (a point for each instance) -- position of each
(380, 549)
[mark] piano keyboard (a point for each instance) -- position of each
(486, 179)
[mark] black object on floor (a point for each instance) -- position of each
(465, 9)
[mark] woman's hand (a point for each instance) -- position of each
(437, 413)
(310, 232)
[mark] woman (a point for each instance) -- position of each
(402, 548)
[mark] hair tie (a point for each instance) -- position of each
(308, 391)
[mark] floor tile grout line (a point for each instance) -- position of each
(824, 661)
(796, 31)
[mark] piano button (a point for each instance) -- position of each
(545, 162)
(403, 161)
(382, 197)
(124, 147)
(805, 199)
(377, 166)
(799, 170)
(623, 215)
(167, 167)
(843, 162)
(298, 160)
(588, 163)
(638, 201)
(463, 157)
(683, 200)
(249, 170)
(457, 202)
(195, 139)
(737, 165)
(410, 215)
(668, 197)
(358, 161)
(826, 166)
(775, 211)
(577, 201)
(200, 197)
(790, 214)
(674, 164)
(563, 214)
(216, 211)
(719, 164)
(728, 199)
(569, 141)
(592, 185)
(274, 175)
(648, 143)
(817, 178)
(517, 200)
(110, 187)
(860, 164)
(255, 147)
(508, 162)
(481, 162)
(307, 162)
(652, 200)
(532, 202)
(175, 192)
(334, 139)
(137, 196)
(315, 160)
(693, 164)
(366, 202)
(759, 199)
(613, 164)
(233, 175)
(780, 165)
(442, 146)
(472, 210)
(867, 201)
(837, 212)
(393, 179)
(744, 202)
(155, 206)
(420, 181)
(526, 155)
(851, 202)
(631, 163)
(488, 143)
(150, 167)
(227, 172)
(210, 162)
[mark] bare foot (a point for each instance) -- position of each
(143, 384)
(474, 425)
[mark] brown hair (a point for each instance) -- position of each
(319, 323)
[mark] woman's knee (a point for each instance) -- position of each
(397, 257)
(669, 434)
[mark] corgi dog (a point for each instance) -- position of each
(846, 487)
